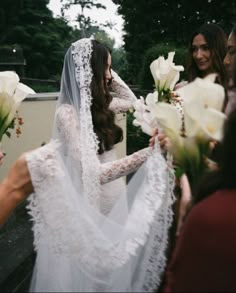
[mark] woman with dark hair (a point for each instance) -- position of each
(204, 258)
(206, 53)
(207, 50)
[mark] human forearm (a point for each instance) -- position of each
(9, 199)
(15, 188)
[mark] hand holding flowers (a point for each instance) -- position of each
(191, 117)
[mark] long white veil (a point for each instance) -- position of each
(79, 249)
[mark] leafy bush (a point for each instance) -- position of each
(136, 139)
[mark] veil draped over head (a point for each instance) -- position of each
(79, 248)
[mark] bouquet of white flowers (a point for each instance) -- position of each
(191, 117)
(12, 93)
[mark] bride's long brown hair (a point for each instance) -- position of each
(107, 131)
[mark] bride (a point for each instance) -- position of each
(91, 232)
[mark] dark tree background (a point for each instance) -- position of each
(29, 31)
(151, 22)
(44, 39)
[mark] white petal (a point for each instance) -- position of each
(170, 57)
(193, 112)
(8, 82)
(212, 124)
(136, 122)
(205, 92)
(168, 117)
(146, 128)
(152, 98)
(22, 91)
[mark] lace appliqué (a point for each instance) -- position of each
(43, 179)
(88, 142)
(68, 129)
(120, 106)
(113, 170)
(120, 88)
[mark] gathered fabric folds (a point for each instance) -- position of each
(79, 247)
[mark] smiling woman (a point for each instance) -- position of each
(207, 49)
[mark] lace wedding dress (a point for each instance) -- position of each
(91, 232)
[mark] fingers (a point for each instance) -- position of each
(1, 157)
(212, 144)
(210, 164)
(164, 141)
(152, 139)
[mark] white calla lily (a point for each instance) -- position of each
(8, 82)
(204, 91)
(193, 112)
(165, 73)
(12, 93)
(212, 124)
(168, 117)
(152, 99)
(21, 92)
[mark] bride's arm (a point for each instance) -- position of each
(122, 167)
(68, 129)
(123, 98)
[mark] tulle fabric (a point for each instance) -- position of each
(79, 247)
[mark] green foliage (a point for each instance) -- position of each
(104, 38)
(85, 22)
(44, 39)
(47, 88)
(145, 77)
(136, 139)
(119, 62)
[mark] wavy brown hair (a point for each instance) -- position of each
(107, 131)
(217, 42)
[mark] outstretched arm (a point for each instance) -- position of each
(14, 188)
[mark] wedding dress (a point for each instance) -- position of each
(91, 232)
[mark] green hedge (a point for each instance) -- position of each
(136, 139)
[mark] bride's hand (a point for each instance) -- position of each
(163, 139)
